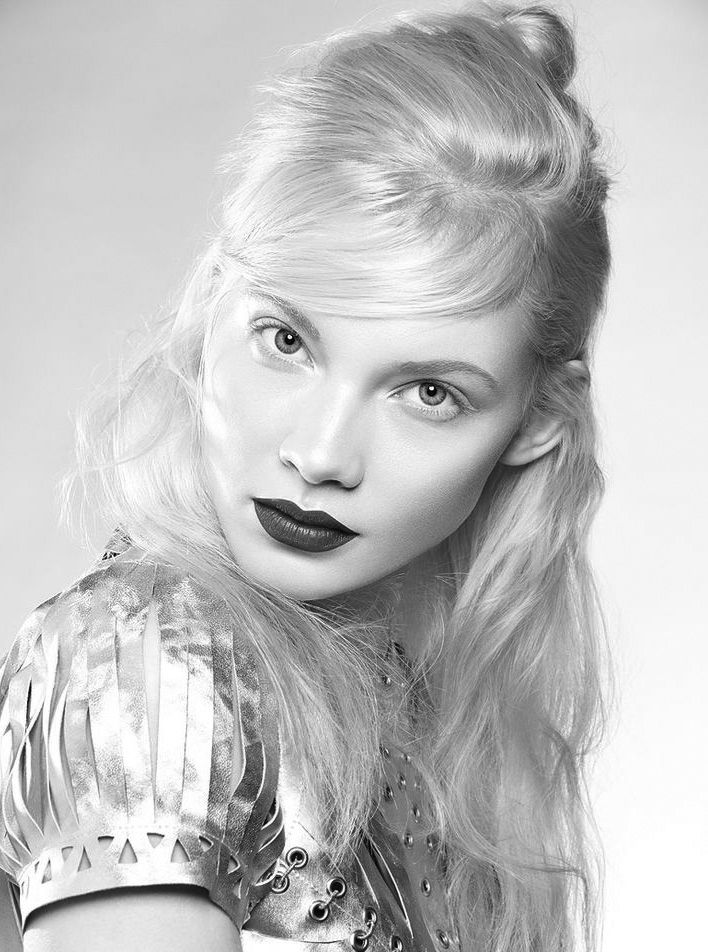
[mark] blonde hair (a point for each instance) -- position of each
(447, 149)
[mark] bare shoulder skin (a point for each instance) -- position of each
(155, 919)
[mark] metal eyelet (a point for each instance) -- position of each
(395, 944)
(280, 883)
(386, 752)
(336, 888)
(408, 840)
(425, 887)
(430, 843)
(406, 758)
(387, 680)
(443, 938)
(388, 793)
(415, 810)
(319, 910)
(359, 939)
(296, 857)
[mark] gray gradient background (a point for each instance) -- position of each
(112, 116)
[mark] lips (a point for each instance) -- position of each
(310, 530)
(308, 517)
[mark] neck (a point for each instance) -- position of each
(371, 602)
(400, 600)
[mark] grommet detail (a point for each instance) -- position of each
(415, 810)
(336, 887)
(388, 793)
(296, 857)
(385, 751)
(406, 758)
(408, 840)
(430, 842)
(386, 679)
(319, 910)
(443, 938)
(401, 781)
(395, 944)
(359, 939)
(425, 887)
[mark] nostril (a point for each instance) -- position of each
(337, 467)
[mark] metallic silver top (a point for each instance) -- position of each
(87, 803)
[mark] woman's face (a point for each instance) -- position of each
(376, 422)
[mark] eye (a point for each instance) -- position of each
(437, 400)
(276, 339)
(287, 342)
(432, 394)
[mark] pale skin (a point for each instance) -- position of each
(329, 424)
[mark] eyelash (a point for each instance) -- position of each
(461, 404)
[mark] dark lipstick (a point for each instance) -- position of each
(311, 530)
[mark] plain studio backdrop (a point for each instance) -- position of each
(112, 117)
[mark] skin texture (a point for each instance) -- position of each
(329, 425)
(170, 919)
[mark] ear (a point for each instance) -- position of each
(540, 433)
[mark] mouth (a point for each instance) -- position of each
(310, 530)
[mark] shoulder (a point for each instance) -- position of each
(105, 614)
(138, 742)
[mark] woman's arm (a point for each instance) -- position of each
(9, 935)
(136, 701)
(149, 919)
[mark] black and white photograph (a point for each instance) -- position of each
(354, 476)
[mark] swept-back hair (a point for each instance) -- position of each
(437, 164)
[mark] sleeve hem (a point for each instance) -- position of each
(140, 858)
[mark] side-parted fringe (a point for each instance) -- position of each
(446, 149)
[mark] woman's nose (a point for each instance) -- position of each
(325, 440)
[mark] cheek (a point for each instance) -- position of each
(240, 413)
(434, 496)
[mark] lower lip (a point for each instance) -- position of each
(297, 535)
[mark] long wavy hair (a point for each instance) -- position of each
(435, 164)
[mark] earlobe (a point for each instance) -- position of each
(541, 432)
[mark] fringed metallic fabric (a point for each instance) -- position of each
(94, 795)
(117, 755)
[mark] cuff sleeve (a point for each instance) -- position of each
(116, 754)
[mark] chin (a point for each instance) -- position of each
(306, 589)
(309, 576)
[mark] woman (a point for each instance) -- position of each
(335, 677)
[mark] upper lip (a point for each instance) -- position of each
(309, 517)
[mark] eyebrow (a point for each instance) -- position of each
(287, 307)
(419, 367)
(445, 366)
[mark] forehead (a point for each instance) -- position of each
(408, 285)
(335, 249)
